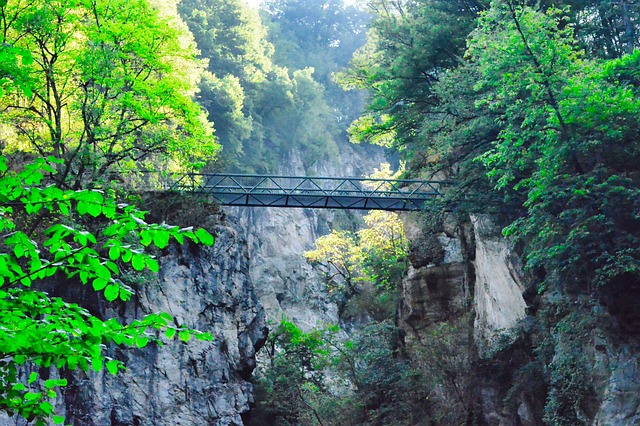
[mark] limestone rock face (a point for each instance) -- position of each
(433, 295)
(178, 383)
(285, 283)
(484, 278)
(464, 288)
(498, 300)
(621, 394)
(572, 353)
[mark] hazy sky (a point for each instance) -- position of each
(255, 3)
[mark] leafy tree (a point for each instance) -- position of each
(341, 252)
(41, 331)
(605, 29)
(376, 254)
(231, 36)
(321, 378)
(385, 248)
(321, 35)
(105, 92)
(410, 46)
(561, 146)
(286, 386)
(261, 110)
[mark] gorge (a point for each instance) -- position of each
(509, 300)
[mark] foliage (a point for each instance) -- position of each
(532, 108)
(262, 111)
(321, 35)
(574, 159)
(605, 29)
(321, 378)
(410, 45)
(385, 247)
(377, 253)
(104, 93)
(44, 240)
(293, 375)
(387, 385)
(443, 358)
(339, 249)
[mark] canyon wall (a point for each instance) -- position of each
(177, 383)
(510, 355)
(285, 283)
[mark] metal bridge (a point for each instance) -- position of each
(311, 192)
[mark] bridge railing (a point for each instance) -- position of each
(236, 189)
(301, 185)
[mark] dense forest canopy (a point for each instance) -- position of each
(534, 104)
(267, 87)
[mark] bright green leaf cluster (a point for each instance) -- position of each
(43, 331)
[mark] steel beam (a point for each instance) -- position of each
(254, 190)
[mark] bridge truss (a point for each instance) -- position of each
(311, 192)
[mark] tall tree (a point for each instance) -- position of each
(560, 144)
(410, 47)
(322, 35)
(106, 93)
(261, 110)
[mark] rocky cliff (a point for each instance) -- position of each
(506, 355)
(178, 383)
(285, 283)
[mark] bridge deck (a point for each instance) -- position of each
(310, 192)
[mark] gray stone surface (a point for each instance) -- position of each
(286, 284)
(498, 300)
(194, 383)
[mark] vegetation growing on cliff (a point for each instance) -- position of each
(532, 109)
(324, 376)
(101, 94)
(86, 94)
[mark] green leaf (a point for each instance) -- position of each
(46, 407)
(204, 236)
(82, 208)
(152, 264)
(170, 332)
(99, 284)
(94, 209)
(58, 420)
(184, 335)
(207, 337)
(51, 383)
(111, 292)
(18, 250)
(112, 366)
(138, 262)
(161, 238)
(32, 396)
(114, 252)
(33, 377)
(146, 237)
(142, 341)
